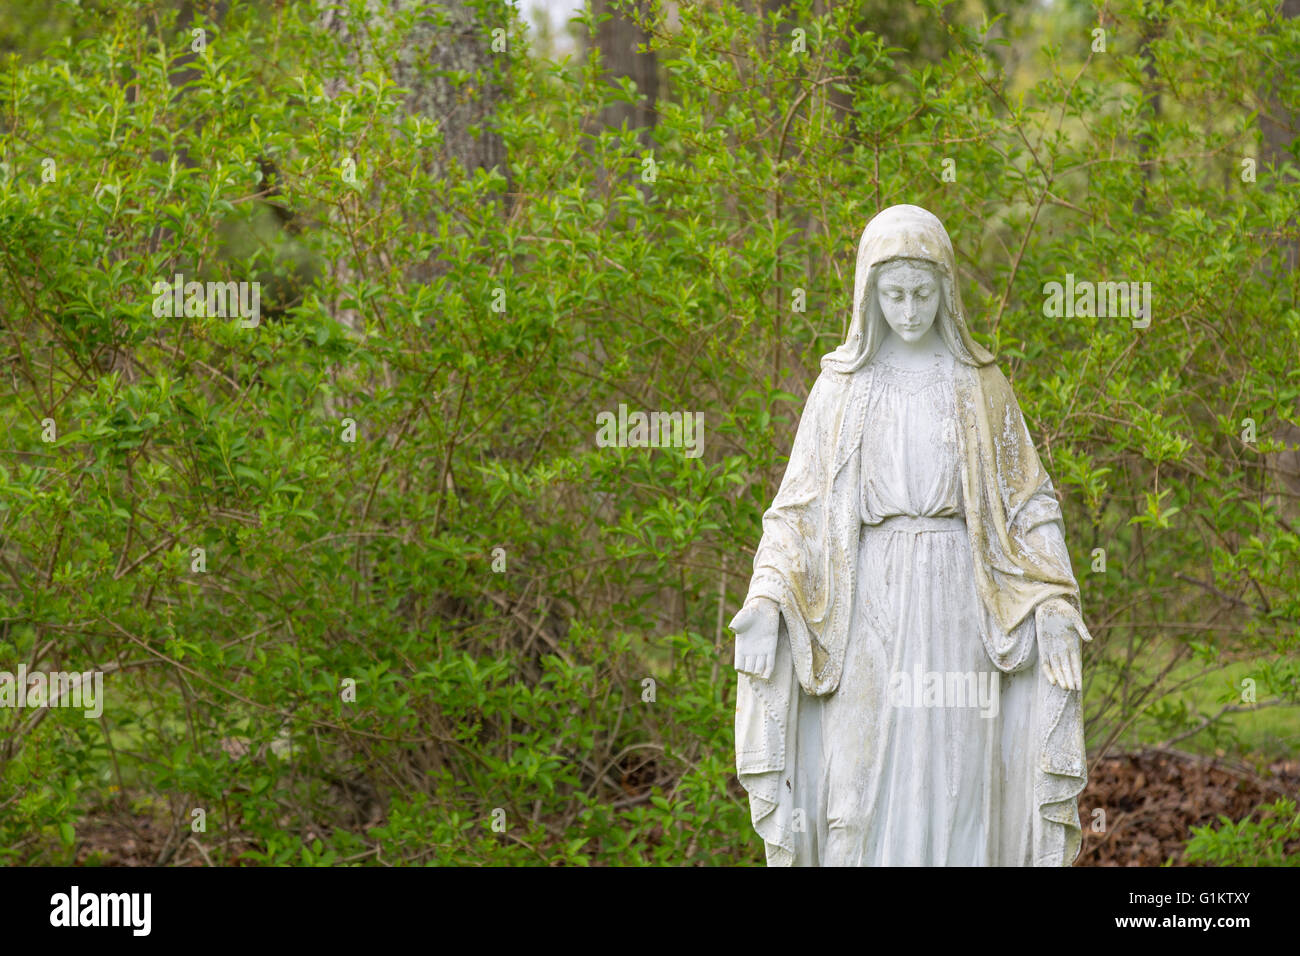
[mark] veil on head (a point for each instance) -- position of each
(903, 232)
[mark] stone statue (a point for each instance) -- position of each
(909, 650)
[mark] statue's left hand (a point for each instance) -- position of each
(1060, 633)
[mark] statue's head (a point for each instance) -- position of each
(905, 280)
(907, 295)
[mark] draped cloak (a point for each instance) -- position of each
(808, 558)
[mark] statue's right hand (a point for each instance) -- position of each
(756, 628)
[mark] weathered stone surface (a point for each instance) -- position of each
(909, 650)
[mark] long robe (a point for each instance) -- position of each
(797, 743)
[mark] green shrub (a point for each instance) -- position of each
(1249, 842)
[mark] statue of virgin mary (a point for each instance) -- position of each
(909, 649)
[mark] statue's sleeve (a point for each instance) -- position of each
(792, 536)
(1016, 527)
(1039, 529)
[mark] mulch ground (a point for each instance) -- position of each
(1152, 800)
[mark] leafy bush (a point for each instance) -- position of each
(1270, 840)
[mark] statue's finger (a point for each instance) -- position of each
(1067, 674)
(1066, 670)
(1047, 668)
(1076, 665)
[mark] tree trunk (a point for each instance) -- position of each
(1279, 128)
(449, 36)
(619, 38)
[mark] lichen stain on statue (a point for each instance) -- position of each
(915, 542)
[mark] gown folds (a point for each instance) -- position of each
(907, 722)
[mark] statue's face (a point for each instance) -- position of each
(909, 298)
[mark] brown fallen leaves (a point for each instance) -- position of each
(1152, 800)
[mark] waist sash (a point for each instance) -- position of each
(914, 524)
